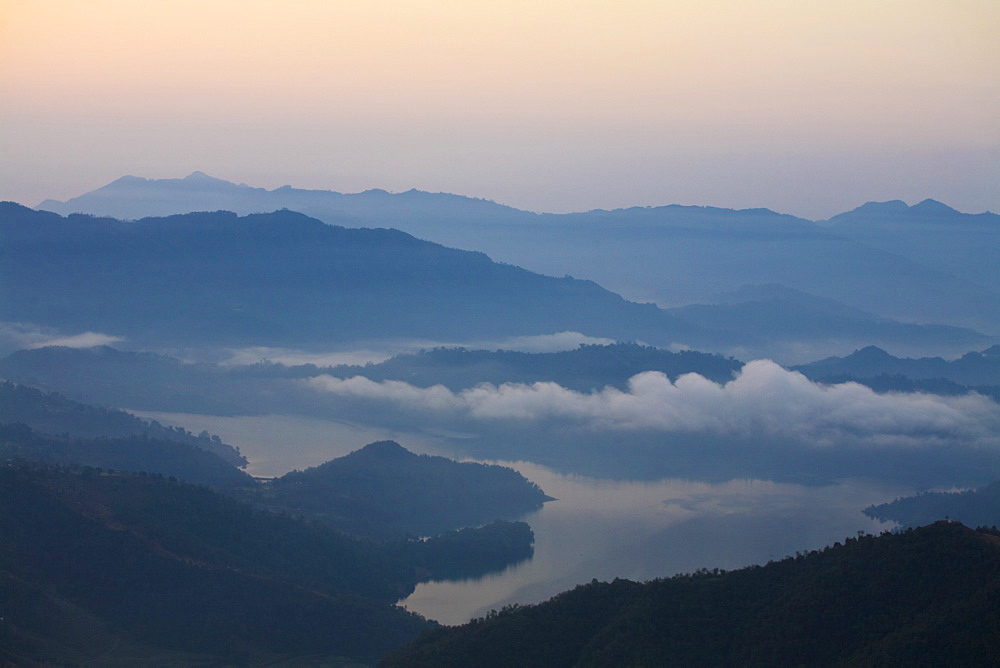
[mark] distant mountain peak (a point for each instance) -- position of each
(870, 354)
(932, 207)
(128, 179)
(890, 207)
(897, 207)
(383, 450)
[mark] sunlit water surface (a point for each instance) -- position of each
(596, 529)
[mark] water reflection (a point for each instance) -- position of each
(605, 529)
(597, 528)
(276, 444)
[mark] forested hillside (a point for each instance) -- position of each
(386, 491)
(130, 568)
(924, 597)
(124, 453)
(53, 413)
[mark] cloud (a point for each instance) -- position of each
(15, 335)
(764, 400)
(84, 340)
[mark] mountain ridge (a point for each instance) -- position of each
(709, 249)
(287, 277)
(925, 596)
(972, 368)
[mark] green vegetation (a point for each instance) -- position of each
(927, 597)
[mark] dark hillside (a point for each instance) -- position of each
(386, 491)
(52, 413)
(138, 453)
(926, 597)
(180, 570)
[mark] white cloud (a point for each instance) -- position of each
(14, 335)
(764, 400)
(84, 340)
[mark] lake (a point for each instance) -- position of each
(597, 528)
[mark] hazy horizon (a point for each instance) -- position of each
(801, 108)
(38, 205)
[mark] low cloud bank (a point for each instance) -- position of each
(764, 400)
(17, 335)
(85, 340)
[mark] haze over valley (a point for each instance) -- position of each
(174, 318)
(551, 334)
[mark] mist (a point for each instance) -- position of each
(764, 400)
(18, 335)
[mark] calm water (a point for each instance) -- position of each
(597, 528)
(606, 529)
(277, 444)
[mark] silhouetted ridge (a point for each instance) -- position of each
(929, 597)
(880, 208)
(52, 413)
(386, 491)
(123, 569)
(992, 351)
(884, 258)
(283, 278)
(869, 354)
(931, 207)
(379, 450)
(977, 370)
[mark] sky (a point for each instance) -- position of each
(801, 106)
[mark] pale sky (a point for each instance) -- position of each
(806, 107)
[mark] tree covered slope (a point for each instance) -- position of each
(927, 597)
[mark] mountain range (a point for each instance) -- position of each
(284, 279)
(962, 244)
(920, 264)
(971, 369)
